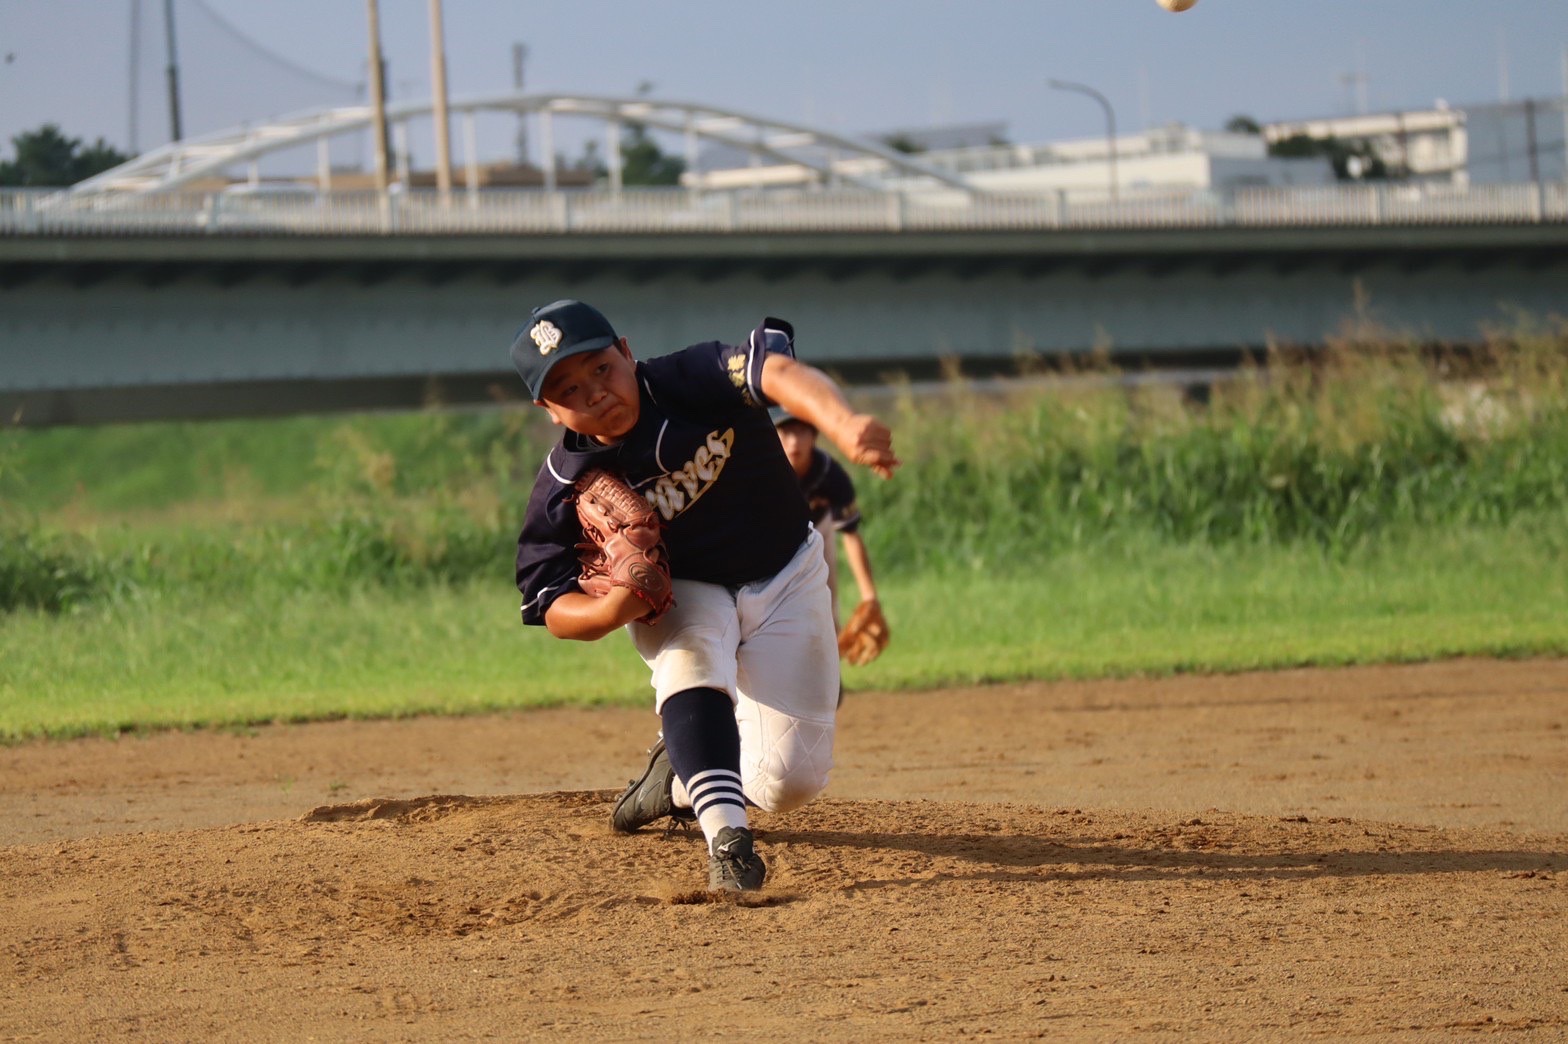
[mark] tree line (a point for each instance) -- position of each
(45, 158)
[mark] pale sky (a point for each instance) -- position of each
(854, 66)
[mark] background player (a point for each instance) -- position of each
(830, 496)
(745, 666)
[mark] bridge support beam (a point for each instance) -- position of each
(95, 335)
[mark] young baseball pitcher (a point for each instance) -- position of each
(668, 509)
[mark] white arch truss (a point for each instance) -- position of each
(179, 163)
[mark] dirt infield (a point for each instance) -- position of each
(1375, 852)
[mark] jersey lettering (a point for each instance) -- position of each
(676, 491)
(735, 365)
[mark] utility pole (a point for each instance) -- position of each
(378, 97)
(1529, 133)
(438, 81)
(1502, 65)
(519, 55)
(1565, 112)
(173, 72)
(136, 73)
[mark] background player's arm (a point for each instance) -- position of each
(860, 565)
(587, 619)
(811, 395)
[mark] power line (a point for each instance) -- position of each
(272, 56)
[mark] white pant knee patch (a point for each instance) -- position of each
(792, 769)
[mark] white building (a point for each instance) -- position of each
(1503, 142)
(1171, 160)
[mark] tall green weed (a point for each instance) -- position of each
(41, 568)
(1332, 449)
(54, 572)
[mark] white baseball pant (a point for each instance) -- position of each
(772, 646)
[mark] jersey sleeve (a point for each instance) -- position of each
(716, 376)
(547, 564)
(839, 491)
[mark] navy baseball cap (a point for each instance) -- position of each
(779, 415)
(555, 331)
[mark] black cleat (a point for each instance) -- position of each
(647, 799)
(734, 865)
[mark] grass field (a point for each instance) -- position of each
(1371, 502)
(165, 660)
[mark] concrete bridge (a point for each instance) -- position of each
(247, 303)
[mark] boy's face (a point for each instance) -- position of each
(798, 440)
(594, 394)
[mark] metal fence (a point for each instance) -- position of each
(672, 211)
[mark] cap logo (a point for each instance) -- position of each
(546, 335)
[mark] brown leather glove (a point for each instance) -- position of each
(623, 542)
(865, 635)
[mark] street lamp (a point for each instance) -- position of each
(1110, 120)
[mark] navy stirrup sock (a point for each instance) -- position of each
(704, 747)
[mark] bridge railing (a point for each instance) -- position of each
(299, 211)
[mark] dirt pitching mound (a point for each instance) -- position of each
(448, 917)
(1375, 852)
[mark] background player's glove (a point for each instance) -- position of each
(865, 635)
(623, 542)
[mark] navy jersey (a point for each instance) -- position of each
(830, 494)
(704, 454)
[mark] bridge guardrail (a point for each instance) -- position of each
(664, 211)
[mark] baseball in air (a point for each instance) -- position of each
(1177, 5)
